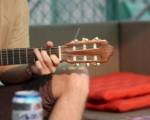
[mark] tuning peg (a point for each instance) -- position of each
(94, 45)
(74, 58)
(84, 39)
(84, 46)
(74, 48)
(96, 38)
(88, 64)
(95, 58)
(75, 40)
(77, 64)
(98, 64)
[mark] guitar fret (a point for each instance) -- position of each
(59, 53)
(27, 56)
(34, 58)
(20, 55)
(50, 51)
(7, 55)
(4, 56)
(10, 56)
(13, 56)
(23, 56)
(31, 56)
(16, 55)
(1, 57)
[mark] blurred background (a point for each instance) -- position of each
(124, 23)
(45, 12)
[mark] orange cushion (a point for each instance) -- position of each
(118, 85)
(121, 105)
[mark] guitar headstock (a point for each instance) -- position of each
(95, 51)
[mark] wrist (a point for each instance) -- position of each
(28, 71)
(32, 74)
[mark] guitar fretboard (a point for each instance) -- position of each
(21, 55)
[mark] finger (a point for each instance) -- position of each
(41, 70)
(38, 54)
(49, 44)
(54, 59)
(39, 66)
(35, 69)
(47, 61)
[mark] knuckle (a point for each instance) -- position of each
(54, 59)
(36, 50)
(43, 53)
(38, 65)
(47, 61)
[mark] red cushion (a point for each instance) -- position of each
(118, 85)
(122, 105)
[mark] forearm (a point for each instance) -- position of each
(15, 74)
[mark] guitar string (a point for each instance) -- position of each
(53, 48)
(33, 48)
(32, 58)
(29, 50)
(31, 54)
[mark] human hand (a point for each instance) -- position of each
(45, 64)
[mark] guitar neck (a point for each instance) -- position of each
(22, 55)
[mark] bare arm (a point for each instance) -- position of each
(15, 74)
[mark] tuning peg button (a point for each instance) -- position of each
(96, 38)
(77, 64)
(95, 58)
(94, 45)
(84, 39)
(88, 64)
(75, 40)
(98, 64)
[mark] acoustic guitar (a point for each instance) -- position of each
(95, 51)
